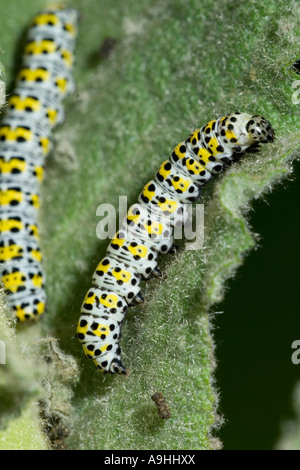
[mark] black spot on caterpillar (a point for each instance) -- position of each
(148, 228)
(34, 108)
(296, 66)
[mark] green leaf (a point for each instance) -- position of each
(23, 432)
(175, 66)
(20, 388)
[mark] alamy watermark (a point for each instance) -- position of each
(296, 354)
(188, 222)
(2, 352)
(296, 94)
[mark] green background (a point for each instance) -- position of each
(176, 65)
(259, 323)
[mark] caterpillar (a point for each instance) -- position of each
(162, 405)
(33, 110)
(148, 227)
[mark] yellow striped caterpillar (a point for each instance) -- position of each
(148, 227)
(34, 108)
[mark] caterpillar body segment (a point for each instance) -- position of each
(34, 109)
(147, 230)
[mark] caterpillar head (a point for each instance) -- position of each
(260, 129)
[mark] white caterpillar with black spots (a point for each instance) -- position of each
(34, 108)
(147, 230)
